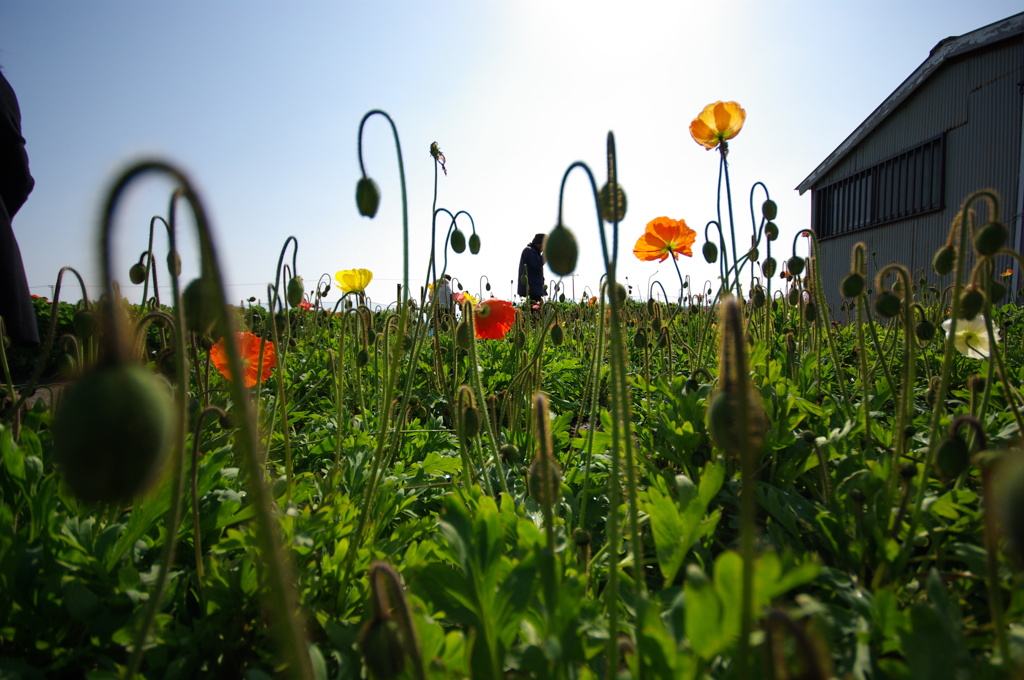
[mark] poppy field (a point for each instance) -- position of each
(740, 482)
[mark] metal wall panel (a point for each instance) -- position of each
(976, 101)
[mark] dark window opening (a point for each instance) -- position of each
(906, 185)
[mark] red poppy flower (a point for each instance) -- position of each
(493, 318)
(305, 305)
(664, 237)
(249, 347)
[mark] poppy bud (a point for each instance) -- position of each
(581, 537)
(795, 265)
(656, 325)
(887, 304)
(112, 432)
(924, 330)
(544, 480)
(710, 251)
(769, 210)
(971, 302)
(367, 197)
(520, 340)
(768, 267)
(810, 312)
(137, 274)
(561, 251)
(952, 458)
(640, 339)
(458, 241)
(206, 343)
(852, 285)
(557, 334)
(362, 358)
(663, 338)
(945, 258)
(295, 291)
(67, 365)
(990, 238)
(793, 297)
(406, 342)
(771, 230)
(691, 385)
(908, 470)
(510, 454)
(721, 420)
(609, 212)
(474, 243)
(371, 336)
(86, 324)
(382, 647)
(463, 336)
(174, 263)
(200, 306)
(1009, 505)
(620, 293)
(469, 426)
(759, 298)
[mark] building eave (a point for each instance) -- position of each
(945, 50)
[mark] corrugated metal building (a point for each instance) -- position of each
(954, 126)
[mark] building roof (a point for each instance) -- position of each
(945, 50)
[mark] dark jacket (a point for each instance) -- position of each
(15, 185)
(531, 265)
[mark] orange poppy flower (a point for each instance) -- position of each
(716, 123)
(1008, 272)
(664, 237)
(493, 318)
(249, 348)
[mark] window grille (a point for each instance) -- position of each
(908, 184)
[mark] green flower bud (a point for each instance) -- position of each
(557, 334)
(86, 324)
(640, 339)
(474, 243)
(945, 258)
(924, 330)
(769, 210)
(174, 263)
(710, 251)
(971, 302)
(810, 312)
(463, 336)
(362, 358)
(137, 274)
(383, 649)
(561, 251)
(769, 267)
(610, 213)
(112, 432)
(771, 230)
(997, 291)
(510, 454)
(796, 265)
(295, 291)
(753, 254)
(887, 304)
(990, 238)
(852, 285)
(199, 301)
(367, 197)
(759, 298)
(458, 241)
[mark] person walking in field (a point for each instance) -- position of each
(531, 270)
(15, 185)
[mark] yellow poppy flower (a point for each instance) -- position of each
(353, 280)
(716, 123)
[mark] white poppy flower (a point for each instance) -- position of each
(971, 337)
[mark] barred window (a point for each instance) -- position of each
(908, 184)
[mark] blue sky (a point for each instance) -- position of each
(259, 102)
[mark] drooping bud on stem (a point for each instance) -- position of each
(545, 475)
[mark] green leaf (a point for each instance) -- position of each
(704, 625)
